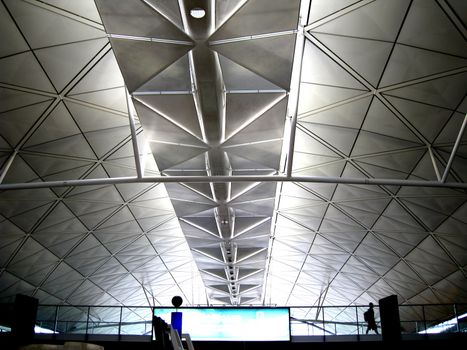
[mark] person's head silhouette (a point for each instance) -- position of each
(371, 305)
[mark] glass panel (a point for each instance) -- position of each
(306, 321)
(136, 320)
(46, 318)
(104, 320)
(412, 320)
(440, 319)
(340, 320)
(72, 319)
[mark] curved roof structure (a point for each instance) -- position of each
(271, 152)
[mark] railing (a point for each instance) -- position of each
(304, 321)
(348, 320)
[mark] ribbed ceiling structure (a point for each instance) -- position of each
(340, 124)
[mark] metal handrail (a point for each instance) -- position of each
(333, 320)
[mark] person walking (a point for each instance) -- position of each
(369, 316)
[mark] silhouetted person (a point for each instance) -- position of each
(369, 317)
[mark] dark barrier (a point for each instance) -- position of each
(390, 321)
(24, 318)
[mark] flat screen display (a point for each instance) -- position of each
(232, 324)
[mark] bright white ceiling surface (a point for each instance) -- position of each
(351, 90)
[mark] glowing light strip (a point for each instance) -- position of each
(252, 37)
(157, 40)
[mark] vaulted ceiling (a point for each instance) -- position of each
(287, 152)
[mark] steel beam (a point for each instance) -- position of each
(296, 78)
(134, 140)
(7, 165)
(454, 150)
(235, 178)
(433, 161)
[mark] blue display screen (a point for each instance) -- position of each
(232, 324)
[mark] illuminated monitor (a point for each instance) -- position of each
(232, 324)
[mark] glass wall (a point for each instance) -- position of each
(304, 321)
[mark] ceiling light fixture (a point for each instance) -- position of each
(197, 12)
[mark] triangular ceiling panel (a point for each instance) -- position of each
(401, 161)
(281, 17)
(24, 70)
(154, 24)
(146, 59)
(63, 62)
(428, 119)
(59, 124)
(196, 165)
(322, 8)
(162, 129)
(451, 131)
(168, 9)
(175, 77)
(269, 57)
(20, 171)
(444, 92)
(84, 8)
(75, 145)
(319, 68)
(245, 224)
(382, 121)
(47, 167)
(207, 223)
(265, 153)
(43, 28)
(313, 97)
(430, 260)
(454, 242)
(189, 208)
(12, 40)
(370, 142)
(113, 98)
(164, 154)
(344, 141)
(425, 168)
(433, 213)
(203, 188)
(427, 26)
(116, 134)
(16, 123)
(401, 242)
(179, 109)
(396, 219)
(242, 109)
(268, 126)
(62, 281)
(365, 211)
(237, 77)
(104, 75)
(367, 57)
(12, 99)
(33, 261)
(409, 63)
(377, 20)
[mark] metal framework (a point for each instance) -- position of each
(400, 228)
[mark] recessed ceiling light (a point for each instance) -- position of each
(197, 12)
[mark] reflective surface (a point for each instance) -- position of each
(380, 95)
